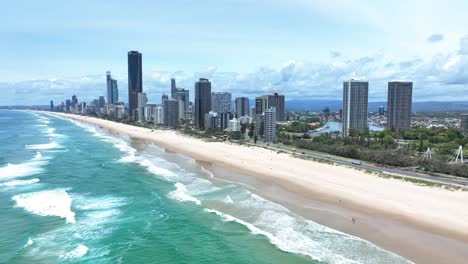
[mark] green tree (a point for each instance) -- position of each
(251, 130)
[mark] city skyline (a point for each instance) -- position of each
(305, 57)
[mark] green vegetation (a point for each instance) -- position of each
(399, 149)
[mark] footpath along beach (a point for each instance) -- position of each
(422, 223)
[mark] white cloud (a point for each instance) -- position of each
(441, 77)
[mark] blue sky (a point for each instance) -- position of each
(304, 48)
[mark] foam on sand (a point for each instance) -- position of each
(19, 182)
(78, 252)
(47, 203)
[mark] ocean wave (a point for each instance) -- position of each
(51, 145)
(180, 194)
(78, 252)
(21, 170)
(19, 182)
(47, 203)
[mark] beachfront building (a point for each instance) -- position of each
(464, 122)
(171, 112)
(262, 103)
(183, 96)
(355, 100)
(211, 120)
(224, 120)
(141, 103)
(399, 102)
(149, 112)
(221, 102)
(135, 80)
(234, 125)
(202, 101)
(158, 115)
(112, 89)
(269, 132)
(242, 106)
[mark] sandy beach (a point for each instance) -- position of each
(421, 223)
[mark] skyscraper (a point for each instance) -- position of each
(355, 100)
(262, 103)
(270, 125)
(112, 90)
(135, 80)
(183, 96)
(101, 102)
(221, 102)
(171, 112)
(242, 106)
(51, 105)
(400, 98)
(202, 101)
(173, 88)
(141, 101)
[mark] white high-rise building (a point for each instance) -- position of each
(355, 100)
(270, 125)
(234, 125)
(142, 100)
(158, 115)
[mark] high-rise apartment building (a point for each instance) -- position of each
(400, 99)
(171, 112)
(135, 80)
(173, 88)
(141, 101)
(242, 106)
(355, 100)
(262, 103)
(112, 90)
(221, 102)
(269, 131)
(202, 101)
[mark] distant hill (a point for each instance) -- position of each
(335, 105)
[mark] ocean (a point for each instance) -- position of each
(71, 192)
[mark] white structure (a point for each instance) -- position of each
(158, 115)
(142, 100)
(270, 125)
(234, 125)
(149, 113)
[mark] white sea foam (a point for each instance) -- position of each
(38, 155)
(78, 252)
(47, 203)
(19, 182)
(180, 194)
(51, 145)
(228, 200)
(22, 169)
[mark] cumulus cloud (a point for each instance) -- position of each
(441, 77)
(435, 38)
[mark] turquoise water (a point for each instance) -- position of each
(73, 193)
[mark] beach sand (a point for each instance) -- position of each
(421, 223)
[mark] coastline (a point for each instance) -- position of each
(423, 224)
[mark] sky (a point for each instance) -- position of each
(305, 49)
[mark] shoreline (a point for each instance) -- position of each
(401, 217)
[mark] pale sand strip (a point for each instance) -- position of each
(437, 211)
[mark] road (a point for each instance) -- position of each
(446, 180)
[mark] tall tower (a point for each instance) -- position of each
(135, 80)
(355, 100)
(202, 101)
(270, 125)
(400, 98)
(242, 106)
(112, 90)
(173, 88)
